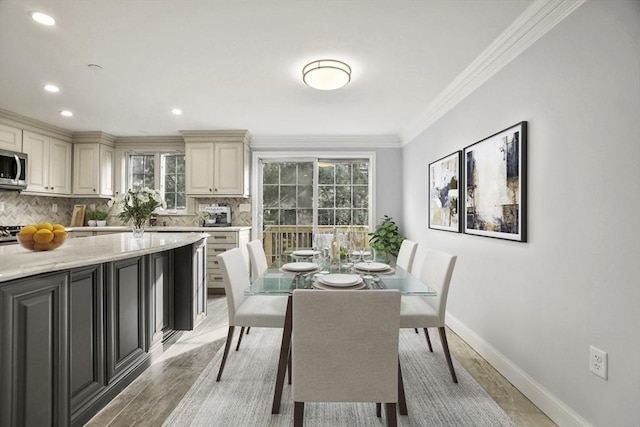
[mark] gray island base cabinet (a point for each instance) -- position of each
(71, 340)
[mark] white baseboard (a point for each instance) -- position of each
(553, 407)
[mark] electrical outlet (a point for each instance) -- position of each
(54, 207)
(598, 362)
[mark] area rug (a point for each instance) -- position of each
(244, 396)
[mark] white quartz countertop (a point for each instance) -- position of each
(17, 262)
(163, 229)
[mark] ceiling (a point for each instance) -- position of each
(237, 64)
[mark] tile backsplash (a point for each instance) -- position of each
(21, 209)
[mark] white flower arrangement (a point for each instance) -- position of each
(137, 206)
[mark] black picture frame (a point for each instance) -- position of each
(444, 193)
(495, 185)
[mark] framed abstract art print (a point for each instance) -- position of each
(444, 194)
(495, 185)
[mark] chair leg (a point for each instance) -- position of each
(402, 402)
(392, 420)
(289, 365)
(298, 414)
(240, 338)
(445, 346)
(226, 351)
(416, 329)
(248, 329)
(378, 410)
(426, 335)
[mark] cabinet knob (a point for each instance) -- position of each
(94, 190)
(210, 190)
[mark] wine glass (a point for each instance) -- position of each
(369, 255)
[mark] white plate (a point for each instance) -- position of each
(372, 266)
(355, 287)
(340, 280)
(300, 266)
(305, 253)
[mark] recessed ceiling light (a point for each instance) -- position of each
(176, 111)
(52, 88)
(42, 18)
(66, 113)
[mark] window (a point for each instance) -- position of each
(169, 177)
(300, 197)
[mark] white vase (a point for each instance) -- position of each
(101, 222)
(91, 223)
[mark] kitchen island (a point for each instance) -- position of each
(79, 323)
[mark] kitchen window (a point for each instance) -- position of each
(164, 171)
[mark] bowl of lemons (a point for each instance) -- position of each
(43, 236)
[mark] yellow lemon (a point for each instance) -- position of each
(59, 236)
(58, 227)
(43, 246)
(26, 233)
(43, 236)
(27, 244)
(45, 226)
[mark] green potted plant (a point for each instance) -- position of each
(386, 238)
(91, 218)
(100, 217)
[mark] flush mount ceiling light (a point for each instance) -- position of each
(42, 18)
(326, 74)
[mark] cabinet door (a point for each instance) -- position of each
(229, 169)
(86, 159)
(34, 346)
(37, 148)
(160, 295)
(199, 168)
(10, 138)
(190, 285)
(125, 342)
(106, 170)
(59, 166)
(87, 337)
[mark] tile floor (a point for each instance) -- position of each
(150, 399)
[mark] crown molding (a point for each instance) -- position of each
(237, 135)
(93, 137)
(330, 141)
(540, 17)
(27, 123)
(147, 139)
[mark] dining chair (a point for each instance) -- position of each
(345, 349)
(245, 311)
(258, 263)
(406, 254)
(429, 312)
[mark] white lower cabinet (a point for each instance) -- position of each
(219, 242)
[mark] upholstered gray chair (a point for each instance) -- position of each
(429, 312)
(345, 349)
(260, 311)
(406, 254)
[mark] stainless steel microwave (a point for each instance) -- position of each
(13, 170)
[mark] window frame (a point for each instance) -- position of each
(311, 156)
(158, 172)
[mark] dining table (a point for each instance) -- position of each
(293, 271)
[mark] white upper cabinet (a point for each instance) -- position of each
(49, 164)
(93, 165)
(10, 138)
(217, 163)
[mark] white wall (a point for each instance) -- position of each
(535, 308)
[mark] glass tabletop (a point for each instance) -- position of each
(278, 281)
